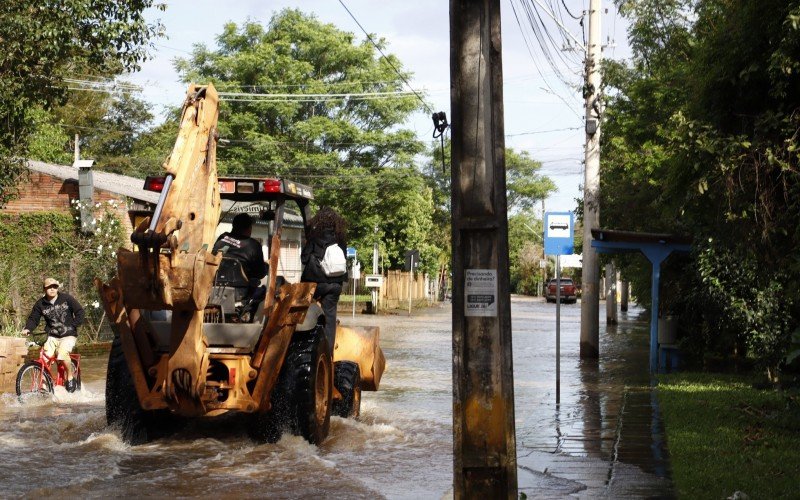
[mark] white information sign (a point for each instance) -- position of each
(480, 289)
(373, 280)
(355, 270)
(558, 226)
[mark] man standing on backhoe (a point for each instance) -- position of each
(326, 229)
(62, 316)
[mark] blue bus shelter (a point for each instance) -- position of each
(656, 247)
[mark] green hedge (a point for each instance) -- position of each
(37, 245)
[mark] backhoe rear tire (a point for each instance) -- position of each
(347, 379)
(138, 426)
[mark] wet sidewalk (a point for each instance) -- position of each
(605, 439)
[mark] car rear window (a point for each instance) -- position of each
(564, 281)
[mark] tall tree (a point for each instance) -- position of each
(525, 186)
(305, 100)
(41, 43)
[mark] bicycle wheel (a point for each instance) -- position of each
(31, 379)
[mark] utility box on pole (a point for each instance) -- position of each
(85, 194)
(484, 443)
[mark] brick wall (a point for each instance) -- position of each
(43, 192)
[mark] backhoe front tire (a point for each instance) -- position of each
(347, 379)
(138, 426)
(306, 385)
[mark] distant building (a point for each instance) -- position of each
(53, 188)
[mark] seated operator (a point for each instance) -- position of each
(239, 245)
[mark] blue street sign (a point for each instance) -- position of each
(559, 233)
(351, 252)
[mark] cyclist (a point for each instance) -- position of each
(62, 316)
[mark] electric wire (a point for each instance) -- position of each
(573, 16)
(388, 61)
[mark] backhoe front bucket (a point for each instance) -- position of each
(360, 345)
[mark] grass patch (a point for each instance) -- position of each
(359, 298)
(726, 436)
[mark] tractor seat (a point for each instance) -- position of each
(231, 274)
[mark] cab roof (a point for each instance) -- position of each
(248, 188)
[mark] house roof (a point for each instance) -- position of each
(123, 185)
(131, 187)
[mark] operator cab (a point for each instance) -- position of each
(279, 209)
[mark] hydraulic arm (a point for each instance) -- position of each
(173, 268)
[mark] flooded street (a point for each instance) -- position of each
(400, 448)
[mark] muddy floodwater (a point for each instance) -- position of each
(400, 448)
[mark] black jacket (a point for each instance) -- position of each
(314, 252)
(247, 250)
(61, 318)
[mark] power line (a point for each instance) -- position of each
(388, 61)
(359, 94)
(545, 53)
(573, 16)
(543, 131)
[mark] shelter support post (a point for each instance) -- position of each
(655, 285)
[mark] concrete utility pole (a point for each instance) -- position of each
(77, 153)
(544, 257)
(590, 298)
(484, 443)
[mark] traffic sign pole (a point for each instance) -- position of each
(558, 330)
(410, 274)
(559, 239)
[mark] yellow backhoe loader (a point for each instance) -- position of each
(181, 349)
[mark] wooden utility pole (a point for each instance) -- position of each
(590, 294)
(623, 300)
(484, 444)
(611, 294)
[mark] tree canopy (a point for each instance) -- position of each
(42, 43)
(307, 101)
(701, 137)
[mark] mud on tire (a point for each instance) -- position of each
(138, 426)
(347, 379)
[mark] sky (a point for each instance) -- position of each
(543, 109)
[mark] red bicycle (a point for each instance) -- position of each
(36, 377)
